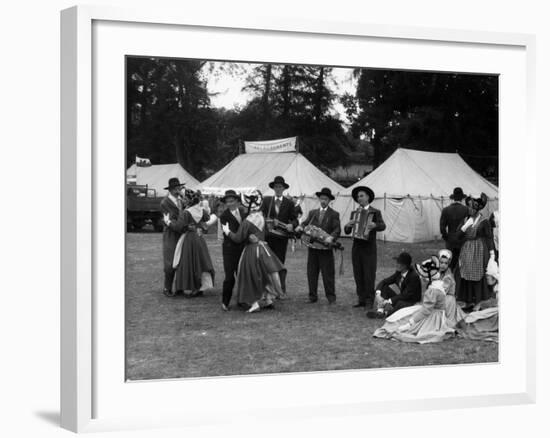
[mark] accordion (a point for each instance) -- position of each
(363, 223)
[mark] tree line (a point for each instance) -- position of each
(170, 116)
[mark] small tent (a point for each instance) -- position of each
(256, 168)
(156, 176)
(411, 189)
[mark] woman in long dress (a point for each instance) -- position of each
(194, 272)
(453, 312)
(482, 323)
(477, 249)
(258, 282)
(425, 323)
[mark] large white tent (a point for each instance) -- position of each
(257, 170)
(411, 189)
(157, 176)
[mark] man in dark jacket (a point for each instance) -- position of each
(170, 207)
(281, 209)
(363, 251)
(402, 289)
(452, 217)
(322, 260)
(233, 215)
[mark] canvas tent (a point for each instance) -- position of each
(256, 170)
(412, 187)
(156, 176)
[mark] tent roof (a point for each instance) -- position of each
(411, 172)
(157, 176)
(258, 170)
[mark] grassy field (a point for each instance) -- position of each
(177, 337)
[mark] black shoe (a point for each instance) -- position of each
(331, 301)
(312, 300)
(168, 293)
(197, 293)
(373, 314)
(269, 306)
(360, 305)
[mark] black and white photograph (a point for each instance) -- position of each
(285, 218)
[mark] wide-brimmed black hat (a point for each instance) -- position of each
(279, 180)
(477, 203)
(231, 194)
(404, 258)
(365, 189)
(458, 194)
(326, 192)
(174, 183)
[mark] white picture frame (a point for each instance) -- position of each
(85, 373)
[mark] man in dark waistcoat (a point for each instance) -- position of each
(451, 218)
(282, 209)
(170, 206)
(233, 215)
(322, 260)
(363, 251)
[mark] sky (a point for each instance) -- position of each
(227, 91)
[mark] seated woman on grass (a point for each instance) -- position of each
(422, 324)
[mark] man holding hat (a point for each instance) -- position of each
(233, 215)
(363, 252)
(452, 217)
(322, 260)
(402, 289)
(282, 209)
(171, 206)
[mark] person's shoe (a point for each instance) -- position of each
(360, 305)
(375, 314)
(225, 308)
(331, 301)
(254, 308)
(312, 300)
(196, 293)
(168, 293)
(269, 306)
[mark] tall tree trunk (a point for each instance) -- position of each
(318, 105)
(267, 92)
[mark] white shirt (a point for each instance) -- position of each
(237, 214)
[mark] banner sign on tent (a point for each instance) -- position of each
(282, 145)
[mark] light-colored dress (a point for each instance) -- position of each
(453, 312)
(429, 323)
(480, 326)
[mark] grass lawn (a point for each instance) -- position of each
(177, 337)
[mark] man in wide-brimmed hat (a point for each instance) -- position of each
(452, 217)
(171, 206)
(402, 289)
(233, 215)
(280, 208)
(363, 252)
(322, 260)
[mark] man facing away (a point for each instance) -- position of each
(282, 209)
(233, 215)
(363, 251)
(170, 206)
(402, 289)
(322, 260)
(451, 218)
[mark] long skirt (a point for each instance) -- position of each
(433, 328)
(258, 275)
(453, 312)
(480, 326)
(471, 292)
(195, 270)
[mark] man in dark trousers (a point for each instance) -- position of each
(402, 289)
(281, 209)
(365, 222)
(322, 260)
(452, 217)
(233, 215)
(170, 207)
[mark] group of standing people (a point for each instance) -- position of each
(256, 233)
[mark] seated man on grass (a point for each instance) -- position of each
(402, 289)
